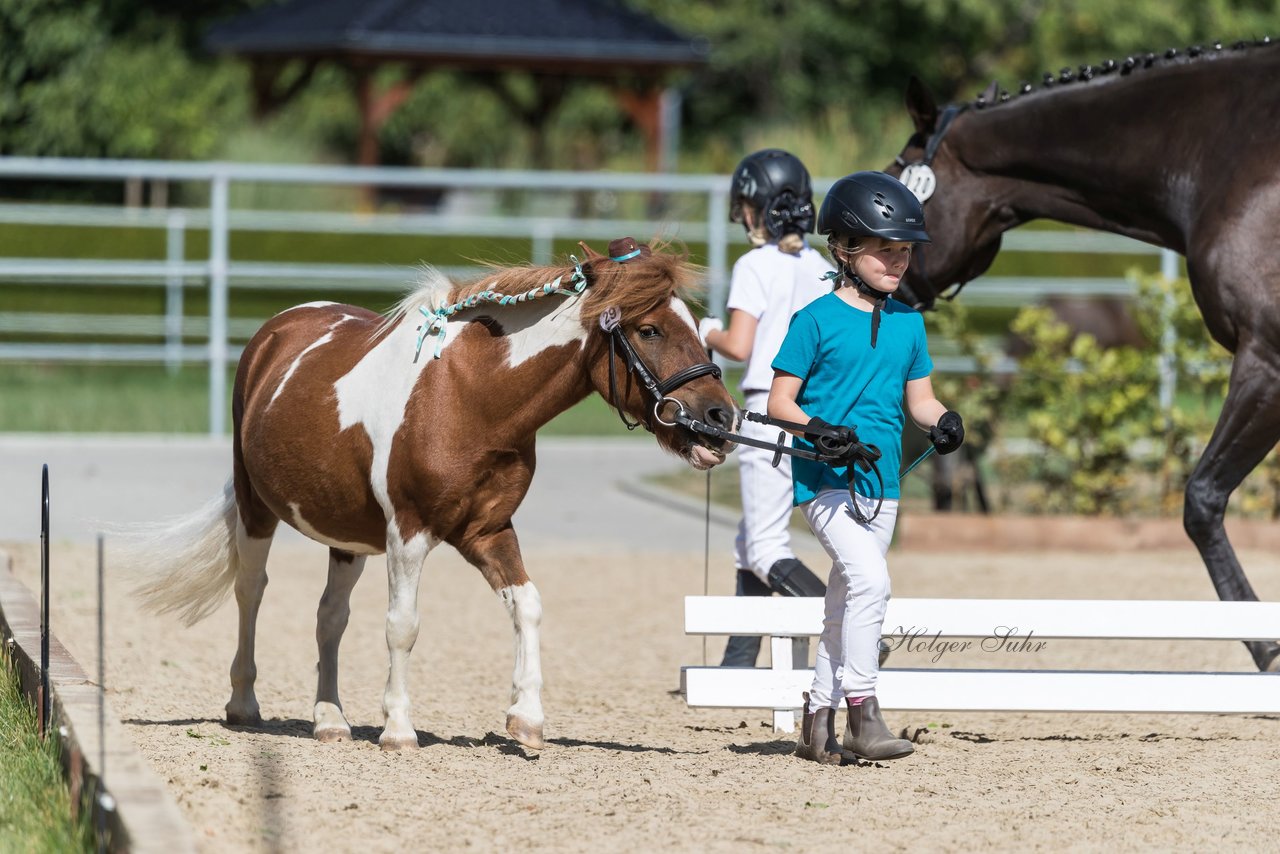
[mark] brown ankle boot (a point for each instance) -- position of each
(867, 737)
(817, 741)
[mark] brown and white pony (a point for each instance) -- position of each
(345, 434)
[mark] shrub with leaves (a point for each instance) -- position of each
(1203, 368)
(1088, 407)
(1106, 443)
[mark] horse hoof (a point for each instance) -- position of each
(332, 734)
(395, 743)
(253, 719)
(525, 733)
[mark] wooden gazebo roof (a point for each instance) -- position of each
(553, 39)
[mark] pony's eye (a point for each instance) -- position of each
(649, 332)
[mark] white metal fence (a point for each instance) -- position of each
(706, 195)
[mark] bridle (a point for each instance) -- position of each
(658, 390)
(919, 178)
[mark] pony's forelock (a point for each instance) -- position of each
(642, 284)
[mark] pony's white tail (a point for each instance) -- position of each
(187, 564)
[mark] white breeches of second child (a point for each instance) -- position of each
(857, 595)
(763, 536)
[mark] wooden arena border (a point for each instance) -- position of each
(145, 818)
(790, 622)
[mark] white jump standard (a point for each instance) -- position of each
(791, 622)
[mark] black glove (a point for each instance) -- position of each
(949, 433)
(830, 439)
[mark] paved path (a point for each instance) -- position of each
(586, 492)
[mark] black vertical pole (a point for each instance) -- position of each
(102, 701)
(44, 600)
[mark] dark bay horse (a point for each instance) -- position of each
(1177, 149)
(392, 434)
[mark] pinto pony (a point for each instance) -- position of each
(375, 434)
(1176, 149)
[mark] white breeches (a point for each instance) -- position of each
(763, 536)
(857, 595)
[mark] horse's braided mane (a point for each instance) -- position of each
(633, 287)
(1141, 60)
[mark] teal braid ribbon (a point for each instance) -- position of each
(435, 320)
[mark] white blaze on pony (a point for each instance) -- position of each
(349, 428)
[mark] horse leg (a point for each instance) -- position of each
(1246, 431)
(404, 569)
(497, 556)
(251, 581)
(331, 622)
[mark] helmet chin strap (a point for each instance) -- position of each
(877, 297)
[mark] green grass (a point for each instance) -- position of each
(103, 399)
(35, 806)
(72, 398)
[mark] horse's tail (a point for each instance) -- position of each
(187, 564)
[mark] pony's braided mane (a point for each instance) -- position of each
(1142, 60)
(633, 287)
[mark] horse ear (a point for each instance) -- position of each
(989, 94)
(921, 105)
(590, 253)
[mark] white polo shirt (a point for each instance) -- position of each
(771, 286)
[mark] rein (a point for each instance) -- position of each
(859, 455)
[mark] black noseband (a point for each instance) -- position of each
(659, 390)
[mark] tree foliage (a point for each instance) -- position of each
(127, 78)
(109, 79)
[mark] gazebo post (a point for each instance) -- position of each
(376, 107)
(644, 108)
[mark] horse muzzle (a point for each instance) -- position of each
(703, 448)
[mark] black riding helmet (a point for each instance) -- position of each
(775, 183)
(872, 204)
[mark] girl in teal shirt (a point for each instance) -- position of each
(850, 361)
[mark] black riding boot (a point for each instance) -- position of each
(742, 651)
(867, 737)
(817, 741)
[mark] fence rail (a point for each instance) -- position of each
(219, 272)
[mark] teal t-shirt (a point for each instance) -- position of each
(847, 381)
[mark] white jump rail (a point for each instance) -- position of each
(790, 622)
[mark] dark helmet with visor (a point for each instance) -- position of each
(872, 204)
(775, 183)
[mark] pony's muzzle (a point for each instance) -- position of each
(707, 444)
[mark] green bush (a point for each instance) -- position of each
(1087, 407)
(1105, 443)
